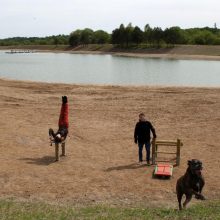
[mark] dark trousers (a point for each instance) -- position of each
(147, 147)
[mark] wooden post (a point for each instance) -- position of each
(155, 145)
(63, 149)
(156, 148)
(57, 151)
(153, 152)
(178, 152)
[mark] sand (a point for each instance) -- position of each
(101, 163)
(184, 52)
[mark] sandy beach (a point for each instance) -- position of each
(149, 55)
(101, 162)
(184, 52)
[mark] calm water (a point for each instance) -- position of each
(108, 69)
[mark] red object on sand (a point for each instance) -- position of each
(163, 170)
(64, 113)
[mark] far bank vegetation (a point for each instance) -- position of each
(126, 37)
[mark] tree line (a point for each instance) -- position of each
(50, 40)
(156, 37)
(126, 36)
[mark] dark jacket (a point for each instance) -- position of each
(142, 132)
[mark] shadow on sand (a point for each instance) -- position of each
(46, 160)
(127, 167)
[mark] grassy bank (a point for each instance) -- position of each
(23, 211)
(205, 50)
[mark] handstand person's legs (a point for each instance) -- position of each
(51, 133)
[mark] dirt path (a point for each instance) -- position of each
(101, 165)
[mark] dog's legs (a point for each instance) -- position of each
(202, 183)
(188, 198)
(179, 198)
(199, 196)
(198, 191)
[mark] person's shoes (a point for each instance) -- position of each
(64, 99)
(140, 161)
(148, 163)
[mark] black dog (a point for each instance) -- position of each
(191, 183)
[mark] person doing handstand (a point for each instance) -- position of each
(63, 123)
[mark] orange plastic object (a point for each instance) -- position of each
(163, 170)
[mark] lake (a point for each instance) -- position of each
(108, 69)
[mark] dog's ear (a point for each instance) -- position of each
(189, 162)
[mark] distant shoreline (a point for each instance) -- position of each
(157, 56)
(185, 52)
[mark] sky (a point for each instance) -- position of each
(40, 18)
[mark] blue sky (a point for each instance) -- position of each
(51, 17)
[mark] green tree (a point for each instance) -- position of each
(128, 34)
(157, 36)
(100, 37)
(137, 35)
(55, 40)
(115, 36)
(118, 36)
(205, 38)
(75, 38)
(147, 34)
(174, 35)
(86, 36)
(122, 37)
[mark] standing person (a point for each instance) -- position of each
(63, 123)
(142, 136)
